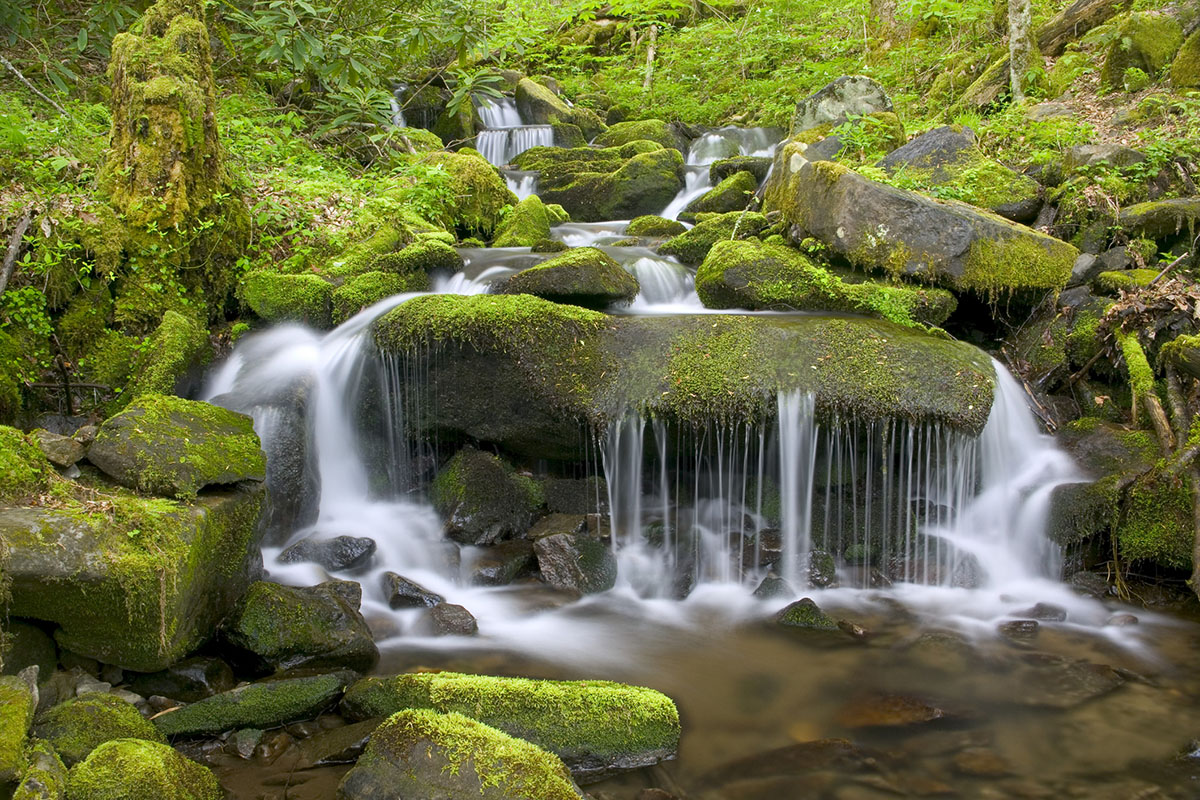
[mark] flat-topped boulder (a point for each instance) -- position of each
(879, 228)
(541, 369)
(583, 276)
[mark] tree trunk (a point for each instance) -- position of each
(1074, 21)
(650, 49)
(14, 248)
(1020, 45)
(883, 15)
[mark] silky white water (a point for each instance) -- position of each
(714, 146)
(505, 136)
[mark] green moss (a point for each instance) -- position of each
(479, 195)
(654, 226)
(10, 378)
(302, 298)
(484, 497)
(806, 614)
(757, 276)
(85, 321)
(1157, 523)
(732, 194)
(420, 258)
(371, 287)
(580, 721)
(692, 246)
(361, 256)
(998, 267)
(24, 470)
(132, 769)
(267, 704)
(568, 135)
(557, 213)
(558, 164)
(582, 276)
(511, 766)
(1069, 67)
(525, 226)
(1146, 41)
(77, 727)
(45, 778)
(1129, 280)
(653, 130)
(422, 141)
(1185, 70)
(16, 713)
(1141, 375)
(180, 344)
(983, 182)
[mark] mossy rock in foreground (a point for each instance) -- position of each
(757, 276)
(880, 228)
(420, 753)
(133, 769)
(17, 704)
(806, 614)
(693, 245)
(543, 369)
(24, 470)
(596, 727)
(583, 276)
(77, 727)
(266, 704)
(1185, 71)
(526, 225)
(174, 447)
(45, 778)
(731, 194)
(139, 584)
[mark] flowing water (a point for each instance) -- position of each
(938, 538)
(714, 146)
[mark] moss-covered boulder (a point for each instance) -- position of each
(805, 614)
(653, 226)
(582, 276)
(369, 288)
(595, 727)
(945, 162)
(1126, 280)
(754, 276)
(133, 769)
(289, 627)
(419, 259)
(526, 225)
(420, 753)
(732, 194)
(543, 369)
(1185, 70)
(77, 727)
(540, 106)
(135, 582)
(692, 246)
(177, 351)
(24, 470)
(1161, 219)
(612, 183)
(18, 701)
(653, 130)
(45, 777)
(279, 297)
(1147, 41)
(265, 704)
(483, 499)
(175, 447)
(576, 562)
(479, 195)
(880, 228)
(758, 166)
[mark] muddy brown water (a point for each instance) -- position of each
(912, 711)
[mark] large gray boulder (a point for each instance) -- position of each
(834, 103)
(175, 447)
(140, 590)
(482, 498)
(576, 562)
(880, 228)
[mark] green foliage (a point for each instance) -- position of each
(473, 88)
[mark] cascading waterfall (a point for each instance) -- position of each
(714, 146)
(505, 136)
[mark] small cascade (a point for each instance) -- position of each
(714, 146)
(589, 234)
(522, 183)
(505, 136)
(667, 287)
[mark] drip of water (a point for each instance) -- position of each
(797, 463)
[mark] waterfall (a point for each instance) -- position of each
(714, 146)
(505, 136)
(523, 184)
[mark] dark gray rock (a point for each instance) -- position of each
(832, 104)
(1115, 259)
(1089, 584)
(826, 149)
(403, 593)
(939, 147)
(26, 645)
(772, 587)
(1087, 267)
(576, 562)
(1046, 612)
(501, 564)
(338, 553)
(61, 451)
(482, 498)
(448, 619)
(188, 681)
(286, 627)
(1112, 155)
(1056, 682)
(262, 705)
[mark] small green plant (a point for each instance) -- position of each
(1135, 80)
(473, 88)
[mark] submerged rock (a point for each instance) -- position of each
(115, 597)
(888, 711)
(175, 447)
(877, 227)
(338, 553)
(1054, 682)
(804, 613)
(482, 498)
(287, 627)
(420, 753)
(583, 276)
(77, 727)
(821, 754)
(132, 768)
(596, 727)
(1019, 630)
(262, 705)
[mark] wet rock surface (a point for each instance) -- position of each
(338, 553)
(404, 593)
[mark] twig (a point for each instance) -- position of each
(1168, 268)
(14, 247)
(33, 88)
(1071, 381)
